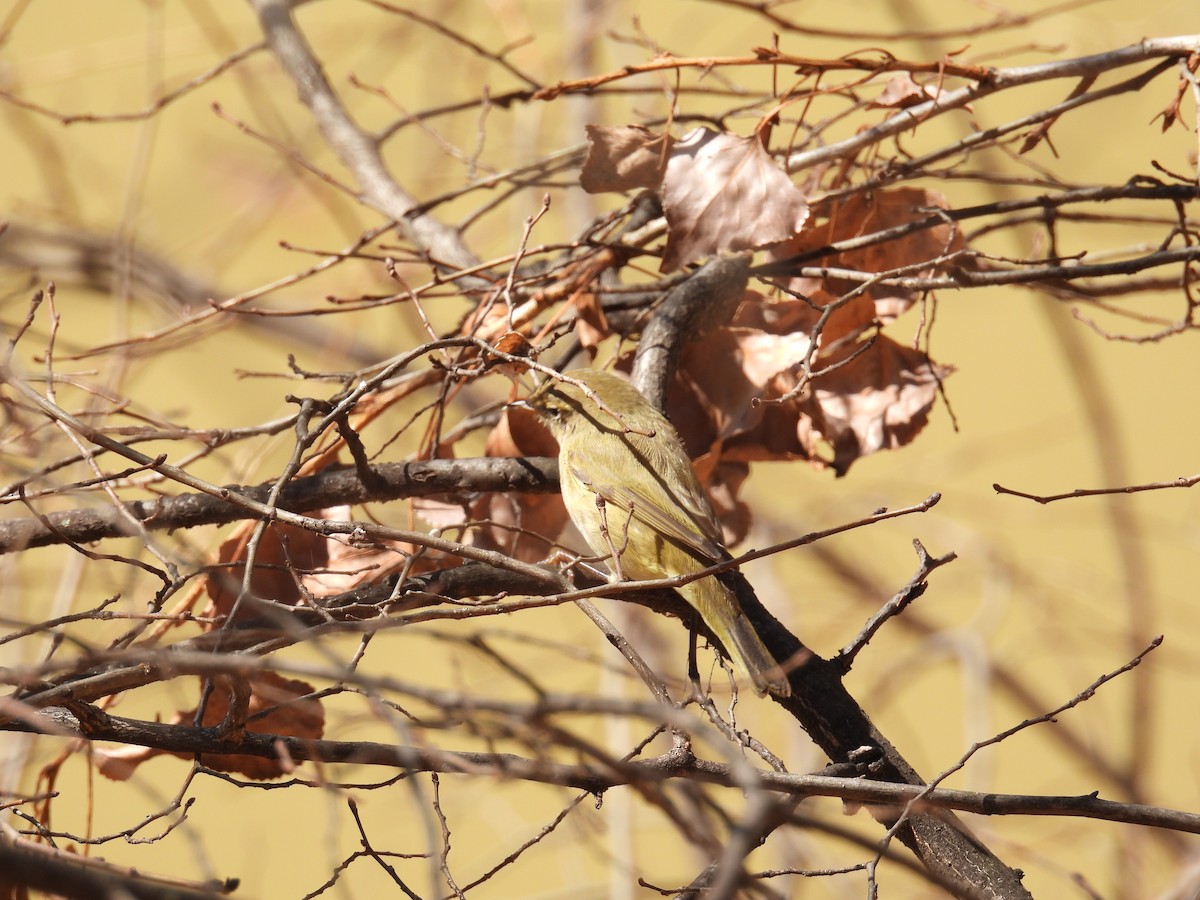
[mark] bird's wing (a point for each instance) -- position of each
(691, 529)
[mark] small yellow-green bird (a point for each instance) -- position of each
(625, 473)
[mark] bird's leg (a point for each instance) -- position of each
(564, 560)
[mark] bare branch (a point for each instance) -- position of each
(355, 148)
(1182, 482)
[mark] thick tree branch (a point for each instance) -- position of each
(679, 763)
(64, 874)
(819, 700)
(333, 487)
(708, 298)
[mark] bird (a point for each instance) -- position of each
(629, 488)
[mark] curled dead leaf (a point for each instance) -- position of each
(624, 158)
(282, 551)
(722, 192)
(879, 400)
(721, 377)
(864, 214)
(901, 92)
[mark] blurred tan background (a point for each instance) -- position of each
(1055, 594)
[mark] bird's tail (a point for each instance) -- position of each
(751, 656)
(724, 616)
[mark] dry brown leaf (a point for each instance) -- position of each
(724, 483)
(848, 321)
(348, 567)
(520, 433)
(591, 325)
(514, 344)
(522, 525)
(713, 405)
(288, 716)
(286, 559)
(623, 158)
(292, 561)
(724, 192)
(862, 214)
(776, 315)
(901, 92)
(282, 550)
(722, 375)
(878, 401)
